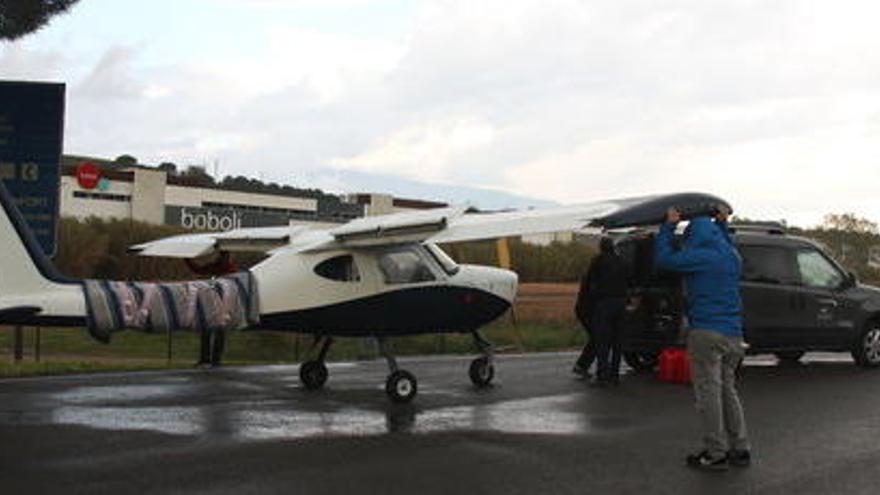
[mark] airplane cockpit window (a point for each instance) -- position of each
(339, 268)
(404, 266)
(444, 260)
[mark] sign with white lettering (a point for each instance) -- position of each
(31, 134)
(88, 175)
(220, 219)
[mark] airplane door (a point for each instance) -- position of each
(770, 296)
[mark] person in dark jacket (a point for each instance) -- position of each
(601, 301)
(711, 268)
(582, 313)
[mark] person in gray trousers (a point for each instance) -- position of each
(711, 267)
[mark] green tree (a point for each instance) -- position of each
(20, 17)
(98, 248)
(169, 168)
(556, 262)
(125, 160)
(851, 240)
(849, 222)
(198, 176)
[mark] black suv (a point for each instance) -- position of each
(796, 299)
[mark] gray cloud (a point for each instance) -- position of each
(770, 103)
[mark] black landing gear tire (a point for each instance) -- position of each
(481, 372)
(401, 386)
(641, 361)
(313, 374)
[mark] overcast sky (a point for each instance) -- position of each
(774, 105)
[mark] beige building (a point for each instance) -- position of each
(154, 196)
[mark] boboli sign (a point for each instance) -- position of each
(220, 219)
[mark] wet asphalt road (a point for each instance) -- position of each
(815, 429)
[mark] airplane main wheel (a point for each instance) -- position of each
(313, 374)
(401, 386)
(482, 371)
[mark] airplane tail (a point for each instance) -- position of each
(27, 276)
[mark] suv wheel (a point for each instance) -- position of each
(867, 350)
(641, 361)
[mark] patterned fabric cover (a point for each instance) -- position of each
(223, 303)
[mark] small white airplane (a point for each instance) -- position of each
(373, 277)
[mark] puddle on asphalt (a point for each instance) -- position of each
(171, 420)
(89, 395)
(278, 420)
(538, 415)
(116, 408)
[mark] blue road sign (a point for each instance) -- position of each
(31, 135)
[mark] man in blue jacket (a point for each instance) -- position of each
(711, 268)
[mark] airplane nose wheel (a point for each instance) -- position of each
(401, 386)
(482, 371)
(313, 374)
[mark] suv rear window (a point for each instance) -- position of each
(768, 264)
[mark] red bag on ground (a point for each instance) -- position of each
(674, 366)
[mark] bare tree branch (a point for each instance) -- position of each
(21, 17)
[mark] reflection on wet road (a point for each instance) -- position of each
(164, 409)
(538, 430)
(263, 403)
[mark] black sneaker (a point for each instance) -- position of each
(739, 457)
(706, 462)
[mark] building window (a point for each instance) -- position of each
(122, 198)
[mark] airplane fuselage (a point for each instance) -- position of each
(406, 289)
(403, 290)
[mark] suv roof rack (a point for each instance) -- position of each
(776, 228)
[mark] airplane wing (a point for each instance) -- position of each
(260, 239)
(439, 225)
(453, 224)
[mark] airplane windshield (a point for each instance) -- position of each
(404, 266)
(444, 260)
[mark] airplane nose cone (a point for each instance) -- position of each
(487, 293)
(504, 285)
(496, 281)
